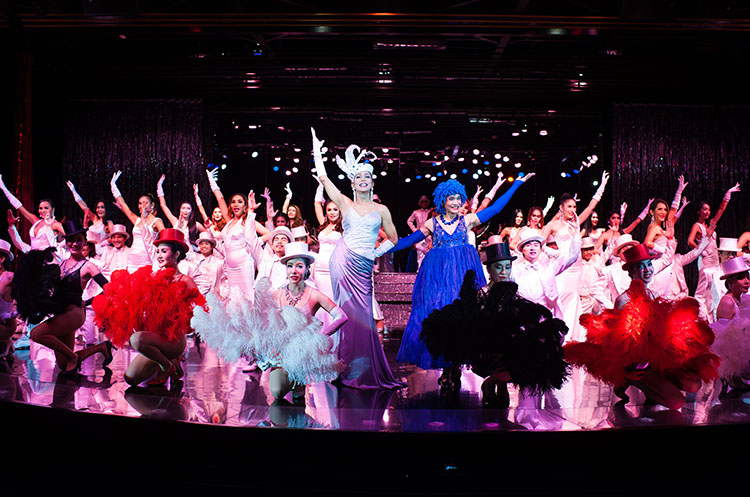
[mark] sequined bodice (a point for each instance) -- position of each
(441, 238)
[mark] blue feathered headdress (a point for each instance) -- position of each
(445, 190)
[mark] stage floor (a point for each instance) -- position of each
(215, 392)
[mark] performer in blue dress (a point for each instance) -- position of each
(443, 269)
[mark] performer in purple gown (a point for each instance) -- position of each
(351, 267)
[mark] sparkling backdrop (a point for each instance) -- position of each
(653, 144)
(144, 139)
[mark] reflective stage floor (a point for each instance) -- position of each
(411, 420)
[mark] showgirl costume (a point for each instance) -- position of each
(666, 336)
(709, 289)
(321, 268)
(238, 263)
(568, 283)
(278, 336)
(145, 301)
(499, 330)
(732, 342)
(442, 271)
(138, 256)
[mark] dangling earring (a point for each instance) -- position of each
(354, 194)
(371, 189)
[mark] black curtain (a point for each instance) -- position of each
(142, 138)
(653, 144)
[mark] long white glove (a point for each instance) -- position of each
(212, 180)
(11, 198)
(113, 185)
(645, 210)
(160, 187)
(320, 168)
(72, 188)
(679, 212)
(383, 248)
(729, 192)
(681, 184)
(491, 194)
(600, 190)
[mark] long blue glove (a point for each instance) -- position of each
(485, 214)
(408, 241)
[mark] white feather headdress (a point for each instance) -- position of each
(352, 165)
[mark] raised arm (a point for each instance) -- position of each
(29, 216)
(319, 203)
(491, 194)
(287, 199)
(333, 193)
(219, 197)
(163, 203)
(79, 200)
(199, 205)
(639, 219)
(725, 202)
(132, 217)
(15, 237)
(485, 215)
(584, 215)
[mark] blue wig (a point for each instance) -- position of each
(445, 190)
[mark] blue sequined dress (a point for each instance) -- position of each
(437, 284)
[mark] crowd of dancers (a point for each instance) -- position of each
(523, 306)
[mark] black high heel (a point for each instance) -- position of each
(73, 372)
(108, 346)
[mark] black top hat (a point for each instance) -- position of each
(498, 252)
(72, 227)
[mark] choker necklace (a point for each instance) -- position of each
(448, 223)
(291, 299)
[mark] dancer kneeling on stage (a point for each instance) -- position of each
(42, 288)
(157, 304)
(659, 346)
(504, 337)
(277, 327)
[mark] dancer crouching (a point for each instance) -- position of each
(158, 304)
(659, 346)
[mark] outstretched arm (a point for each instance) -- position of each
(484, 215)
(491, 194)
(199, 204)
(163, 203)
(120, 200)
(318, 203)
(725, 202)
(81, 203)
(333, 193)
(287, 199)
(29, 216)
(584, 215)
(219, 197)
(640, 217)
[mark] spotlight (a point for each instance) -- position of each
(476, 151)
(296, 160)
(288, 172)
(433, 178)
(596, 183)
(506, 158)
(562, 175)
(453, 176)
(475, 176)
(515, 133)
(295, 170)
(275, 168)
(517, 164)
(384, 173)
(486, 173)
(543, 132)
(418, 176)
(475, 161)
(497, 156)
(277, 159)
(340, 176)
(407, 180)
(464, 171)
(385, 151)
(254, 154)
(223, 166)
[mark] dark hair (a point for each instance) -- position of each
(541, 211)
(298, 220)
(50, 202)
(5, 261)
(176, 249)
(733, 277)
(565, 197)
(515, 215)
(280, 215)
(244, 197)
(192, 228)
(656, 202)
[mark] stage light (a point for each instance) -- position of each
(475, 176)
(497, 156)
(288, 172)
(324, 150)
(596, 183)
(254, 154)
(275, 168)
(464, 171)
(576, 171)
(385, 150)
(426, 154)
(510, 179)
(476, 151)
(486, 173)
(428, 175)
(506, 158)
(439, 174)
(486, 163)
(562, 175)
(475, 161)
(517, 164)
(453, 176)
(341, 176)
(460, 159)
(515, 133)
(433, 178)
(498, 165)
(277, 159)
(407, 180)
(295, 170)
(419, 176)
(223, 166)
(384, 173)
(296, 160)
(543, 132)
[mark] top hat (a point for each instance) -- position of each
(636, 253)
(587, 242)
(72, 227)
(297, 250)
(172, 235)
(728, 245)
(281, 230)
(497, 251)
(118, 229)
(299, 231)
(5, 249)
(527, 235)
(623, 242)
(206, 236)
(733, 266)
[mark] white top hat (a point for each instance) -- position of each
(90, 236)
(119, 229)
(623, 242)
(5, 248)
(733, 266)
(206, 236)
(728, 245)
(281, 230)
(587, 242)
(526, 235)
(294, 250)
(299, 231)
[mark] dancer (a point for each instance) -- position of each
(569, 279)
(239, 229)
(213, 224)
(277, 328)
(732, 327)
(504, 337)
(592, 266)
(292, 211)
(41, 288)
(268, 259)
(352, 265)
(8, 311)
(115, 255)
(657, 345)
(509, 232)
(591, 228)
(209, 270)
(152, 311)
(100, 224)
(614, 223)
(709, 288)
(329, 234)
(145, 225)
(185, 223)
(417, 218)
(441, 274)
(44, 228)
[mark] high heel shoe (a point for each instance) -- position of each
(108, 347)
(162, 376)
(72, 372)
(178, 372)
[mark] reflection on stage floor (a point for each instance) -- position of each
(216, 392)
